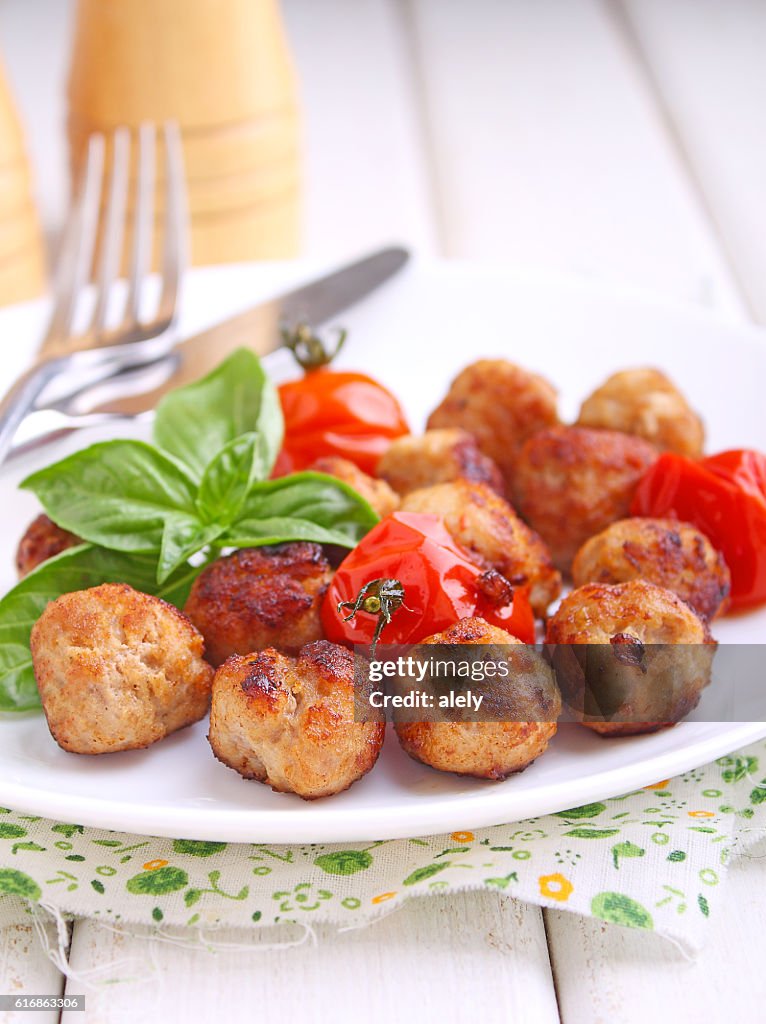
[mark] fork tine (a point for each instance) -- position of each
(175, 240)
(76, 258)
(112, 234)
(143, 220)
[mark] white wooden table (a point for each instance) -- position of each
(623, 139)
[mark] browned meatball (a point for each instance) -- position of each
(437, 457)
(663, 551)
(290, 723)
(488, 528)
(572, 482)
(644, 402)
(490, 749)
(41, 541)
(117, 669)
(501, 405)
(260, 597)
(629, 657)
(376, 492)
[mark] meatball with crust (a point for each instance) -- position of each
(488, 528)
(117, 669)
(501, 405)
(41, 541)
(629, 657)
(663, 551)
(645, 403)
(376, 493)
(260, 597)
(439, 456)
(572, 482)
(290, 722)
(491, 749)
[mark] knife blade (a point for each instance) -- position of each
(258, 328)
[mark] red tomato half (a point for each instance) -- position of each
(329, 412)
(725, 497)
(442, 585)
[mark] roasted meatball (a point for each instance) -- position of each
(491, 749)
(501, 405)
(644, 402)
(41, 541)
(376, 492)
(488, 528)
(260, 597)
(439, 456)
(117, 669)
(572, 482)
(290, 722)
(663, 551)
(629, 657)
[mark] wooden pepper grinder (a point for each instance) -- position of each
(221, 68)
(22, 255)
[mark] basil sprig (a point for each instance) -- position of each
(144, 510)
(194, 423)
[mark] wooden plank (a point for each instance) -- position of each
(477, 956)
(706, 59)
(605, 973)
(365, 169)
(25, 969)
(548, 147)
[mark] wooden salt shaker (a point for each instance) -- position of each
(22, 255)
(221, 68)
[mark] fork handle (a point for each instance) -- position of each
(21, 399)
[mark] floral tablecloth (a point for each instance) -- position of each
(653, 859)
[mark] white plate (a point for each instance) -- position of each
(414, 335)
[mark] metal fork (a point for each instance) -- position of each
(100, 350)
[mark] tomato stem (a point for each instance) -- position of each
(380, 597)
(310, 350)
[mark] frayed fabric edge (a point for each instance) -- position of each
(53, 931)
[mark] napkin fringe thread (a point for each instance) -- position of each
(46, 917)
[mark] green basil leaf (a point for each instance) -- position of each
(74, 569)
(255, 533)
(195, 422)
(228, 478)
(183, 537)
(117, 494)
(302, 506)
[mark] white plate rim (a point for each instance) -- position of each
(428, 818)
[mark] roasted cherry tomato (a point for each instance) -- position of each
(725, 497)
(441, 585)
(333, 412)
